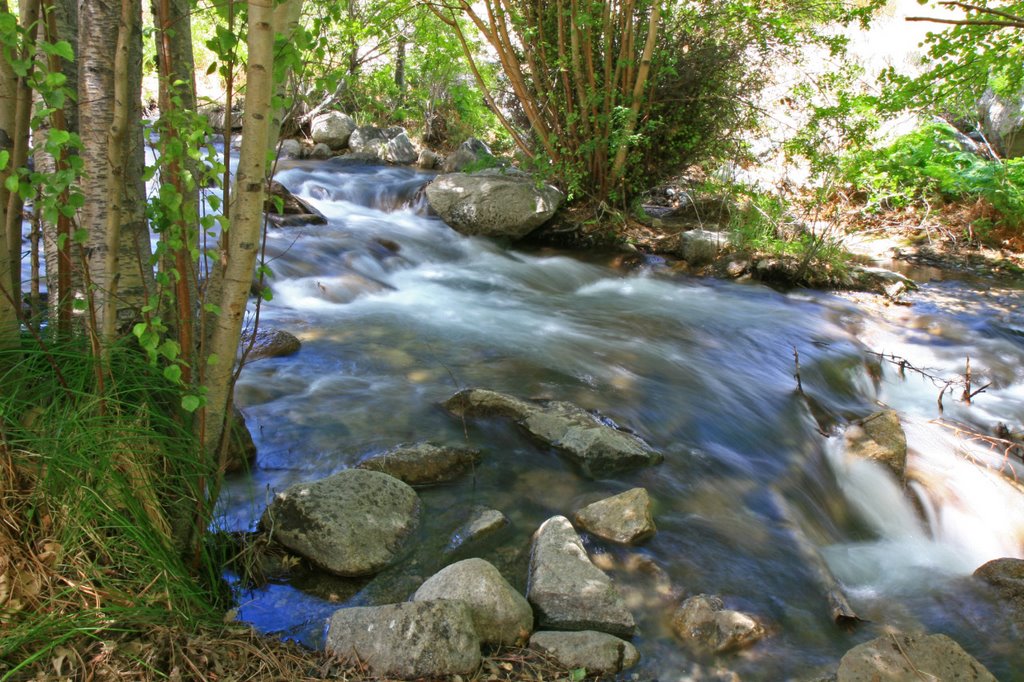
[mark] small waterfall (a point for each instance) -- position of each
(969, 513)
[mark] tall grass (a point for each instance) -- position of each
(102, 504)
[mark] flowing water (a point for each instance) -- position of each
(396, 312)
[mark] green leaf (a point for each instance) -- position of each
(577, 674)
(5, 156)
(190, 403)
(173, 374)
(61, 48)
(11, 183)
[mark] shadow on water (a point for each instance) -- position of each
(396, 312)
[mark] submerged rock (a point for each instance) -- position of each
(624, 518)
(596, 652)
(596, 444)
(493, 202)
(1006, 576)
(270, 343)
(879, 437)
(500, 614)
(409, 640)
(352, 524)
(481, 523)
(899, 657)
(704, 622)
(424, 463)
(569, 592)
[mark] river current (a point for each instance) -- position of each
(396, 312)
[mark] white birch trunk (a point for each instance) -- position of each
(240, 243)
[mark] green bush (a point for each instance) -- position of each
(930, 164)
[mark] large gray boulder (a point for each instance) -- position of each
(492, 202)
(368, 140)
(423, 463)
(597, 652)
(1002, 121)
(409, 640)
(596, 444)
(879, 437)
(899, 657)
(567, 591)
(704, 623)
(500, 614)
(624, 518)
(400, 149)
(351, 524)
(333, 129)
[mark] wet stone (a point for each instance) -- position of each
(567, 591)
(424, 463)
(624, 518)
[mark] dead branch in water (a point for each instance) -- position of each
(942, 383)
(1011, 449)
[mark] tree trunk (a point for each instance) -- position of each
(19, 154)
(400, 67)
(286, 19)
(175, 67)
(103, 193)
(8, 302)
(61, 24)
(240, 242)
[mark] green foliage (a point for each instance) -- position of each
(766, 224)
(962, 62)
(930, 164)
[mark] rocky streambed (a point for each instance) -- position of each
(732, 482)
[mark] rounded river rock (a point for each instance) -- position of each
(352, 524)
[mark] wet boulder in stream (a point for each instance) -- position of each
(493, 203)
(899, 657)
(353, 523)
(879, 437)
(624, 518)
(596, 444)
(1006, 576)
(567, 590)
(284, 209)
(423, 463)
(500, 614)
(269, 343)
(703, 622)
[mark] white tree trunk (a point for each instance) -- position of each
(100, 22)
(240, 243)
